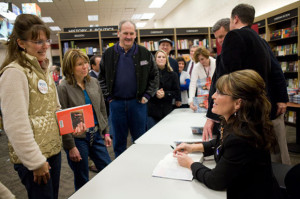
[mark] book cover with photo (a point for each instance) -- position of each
(69, 118)
(77, 117)
(201, 103)
(197, 130)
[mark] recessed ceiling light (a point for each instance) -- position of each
(93, 17)
(90, 0)
(55, 28)
(147, 15)
(136, 16)
(45, 1)
(157, 3)
(47, 19)
(142, 16)
(140, 24)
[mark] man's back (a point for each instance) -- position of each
(244, 49)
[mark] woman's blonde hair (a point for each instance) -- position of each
(69, 63)
(169, 68)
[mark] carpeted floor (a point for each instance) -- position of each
(9, 177)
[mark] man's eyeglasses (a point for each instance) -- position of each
(41, 42)
(221, 93)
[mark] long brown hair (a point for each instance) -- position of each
(69, 63)
(26, 27)
(255, 108)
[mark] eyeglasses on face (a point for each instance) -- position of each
(41, 42)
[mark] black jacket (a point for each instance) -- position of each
(145, 68)
(159, 108)
(244, 49)
(244, 171)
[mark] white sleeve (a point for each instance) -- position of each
(14, 98)
(193, 83)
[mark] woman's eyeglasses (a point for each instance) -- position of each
(41, 42)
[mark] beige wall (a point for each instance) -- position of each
(204, 13)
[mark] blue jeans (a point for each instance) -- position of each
(151, 122)
(127, 114)
(45, 191)
(97, 152)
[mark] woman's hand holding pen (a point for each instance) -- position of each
(184, 160)
(183, 147)
(181, 152)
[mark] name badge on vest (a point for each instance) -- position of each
(42, 86)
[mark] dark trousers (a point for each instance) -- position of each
(45, 191)
(97, 152)
(127, 114)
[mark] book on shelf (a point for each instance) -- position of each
(291, 66)
(290, 116)
(186, 57)
(69, 118)
(66, 47)
(213, 43)
(283, 50)
(72, 44)
(284, 33)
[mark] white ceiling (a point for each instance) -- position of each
(74, 13)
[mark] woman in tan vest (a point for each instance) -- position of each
(28, 103)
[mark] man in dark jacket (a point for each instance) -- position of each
(244, 49)
(95, 65)
(128, 77)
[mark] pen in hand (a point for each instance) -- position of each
(172, 147)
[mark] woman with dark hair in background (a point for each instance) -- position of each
(28, 104)
(242, 153)
(184, 79)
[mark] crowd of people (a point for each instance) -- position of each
(131, 90)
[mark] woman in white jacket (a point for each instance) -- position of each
(203, 71)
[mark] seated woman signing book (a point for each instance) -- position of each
(78, 88)
(242, 154)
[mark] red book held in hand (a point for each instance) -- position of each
(69, 118)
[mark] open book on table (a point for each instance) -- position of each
(169, 167)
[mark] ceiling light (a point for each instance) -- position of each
(140, 24)
(136, 16)
(147, 15)
(157, 3)
(90, 0)
(93, 17)
(55, 28)
(47, 19)
(45, 1)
